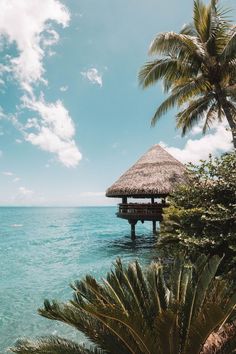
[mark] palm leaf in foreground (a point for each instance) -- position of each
(166, 309)
(52, 345)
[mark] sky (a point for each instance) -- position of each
(72, 115)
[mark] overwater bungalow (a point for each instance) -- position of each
(152, 177)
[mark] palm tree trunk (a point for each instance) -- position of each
(231, 120)
(228, 114)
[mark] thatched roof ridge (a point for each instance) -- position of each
(156, 173)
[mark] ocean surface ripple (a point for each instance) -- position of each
(43, 250)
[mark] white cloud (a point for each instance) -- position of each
(7, 173)
(93, 76)
(2, 114)
(26, 196)
(51, 53)
(32, 123)
(51, 38)
(22, 191)
(27, 23)
(54, 115)
(18, 141)
(4, 69)
(11, 174)
(64, 88)
(218, 140)
(54, 131)
(197, 129)
(16, 179)
(66, 151)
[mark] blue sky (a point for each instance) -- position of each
(73, 117)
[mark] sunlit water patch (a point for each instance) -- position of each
(43, 250)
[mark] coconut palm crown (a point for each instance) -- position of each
(198, 69)
(171, 309)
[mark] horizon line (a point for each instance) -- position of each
(56, 206)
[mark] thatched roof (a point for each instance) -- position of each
(155, 174)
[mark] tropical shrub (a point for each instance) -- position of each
(201, 216)
(166, 309)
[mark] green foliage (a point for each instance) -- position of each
(166, 309)
(202, 214)
(52, 345)
(197, 67)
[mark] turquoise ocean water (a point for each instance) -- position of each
(43, 250)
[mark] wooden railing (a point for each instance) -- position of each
(140, 210)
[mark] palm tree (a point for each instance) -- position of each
(198, 69)
(169, 309)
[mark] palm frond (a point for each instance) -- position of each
(232, 108)
(171, 43)
(214, 112)
(182, 93)
(194, 112)
(168, 309)
(157, 287)
(52, 345)
(202, 19)
(230, 92)
(205, 278)
(189, 30)
(73, 314)
(150, 72)
(229, 50)
(155, 70)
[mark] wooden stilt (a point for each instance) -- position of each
(133, 235)
(154, 227)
